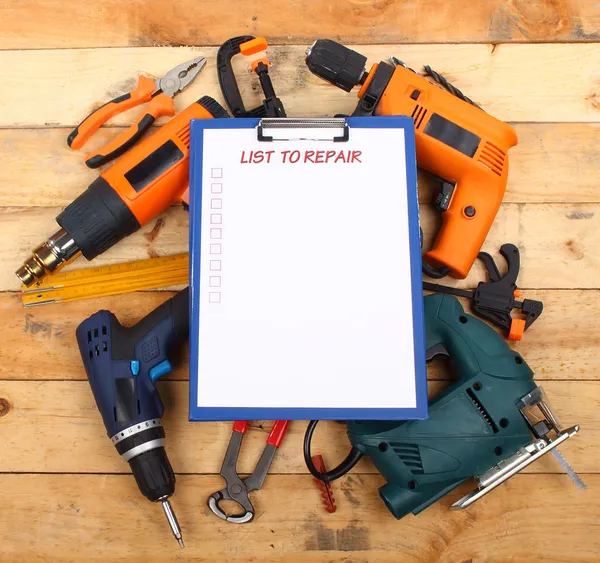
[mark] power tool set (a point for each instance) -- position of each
(488, 425)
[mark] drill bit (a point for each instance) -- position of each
(569, 470)
(173, 522)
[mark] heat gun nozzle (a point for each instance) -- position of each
(49, 256)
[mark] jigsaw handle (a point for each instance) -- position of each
(471, 343)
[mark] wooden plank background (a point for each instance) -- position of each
(68, 497)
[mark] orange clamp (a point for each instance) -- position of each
(253, 46)
(517, 328)
(255, 63)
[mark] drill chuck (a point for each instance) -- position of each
(337, 64)
(143, 446)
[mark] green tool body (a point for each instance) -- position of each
(473, 425)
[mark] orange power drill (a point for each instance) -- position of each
(456, 141)
(126, 196)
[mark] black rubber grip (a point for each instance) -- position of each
(213, 107)
(153, 474)
(101, 159)
(435, 273)
(97, 219)
(227, 81)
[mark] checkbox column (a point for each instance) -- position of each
(216, 234)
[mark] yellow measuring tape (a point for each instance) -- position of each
(114, 279)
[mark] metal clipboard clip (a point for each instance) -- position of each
(303, 129)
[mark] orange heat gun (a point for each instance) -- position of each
(455, 139)
(126, 196)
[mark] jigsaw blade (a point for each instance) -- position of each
(569, 470)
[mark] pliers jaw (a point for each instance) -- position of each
(236, 488)
(180, 76)
(216, 498)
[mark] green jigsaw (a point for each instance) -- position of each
(491, 423)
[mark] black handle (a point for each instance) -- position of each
(125, 141)
(227, 81)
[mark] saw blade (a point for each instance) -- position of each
(569, 470)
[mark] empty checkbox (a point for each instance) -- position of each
(215, 265)
(216, 203)
(216, 233)
(216, 188)
(214, 281)
(216, 172)
(216, 218)
(214, 297)
(215, 249)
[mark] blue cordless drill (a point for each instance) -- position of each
(122, 365)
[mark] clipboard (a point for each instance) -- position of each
(305, 270)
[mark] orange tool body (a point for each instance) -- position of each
(159, 93)
(148, 196)
(126, 196)
(455, 140)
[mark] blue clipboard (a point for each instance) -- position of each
(208, 413)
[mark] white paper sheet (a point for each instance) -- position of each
(305, 291)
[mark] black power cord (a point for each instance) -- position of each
(351, 459)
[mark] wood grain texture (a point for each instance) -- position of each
(558, 242)
(104, 518)
(39, 170)
(50, 332)
(68, 495)
(108, 23)
(520, 82)
(54, 413)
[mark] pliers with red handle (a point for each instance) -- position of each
(237, 489)
(159, 93)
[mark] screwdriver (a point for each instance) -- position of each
(122, 365)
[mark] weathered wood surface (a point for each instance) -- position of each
(68, 496)
(564, 344)
(520, 82)
(109, 23)
(104, 518)
(39, 170)
(558, 242)
(51, 414)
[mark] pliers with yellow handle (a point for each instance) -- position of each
(159, 93)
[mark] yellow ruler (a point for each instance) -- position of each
(114, 279)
